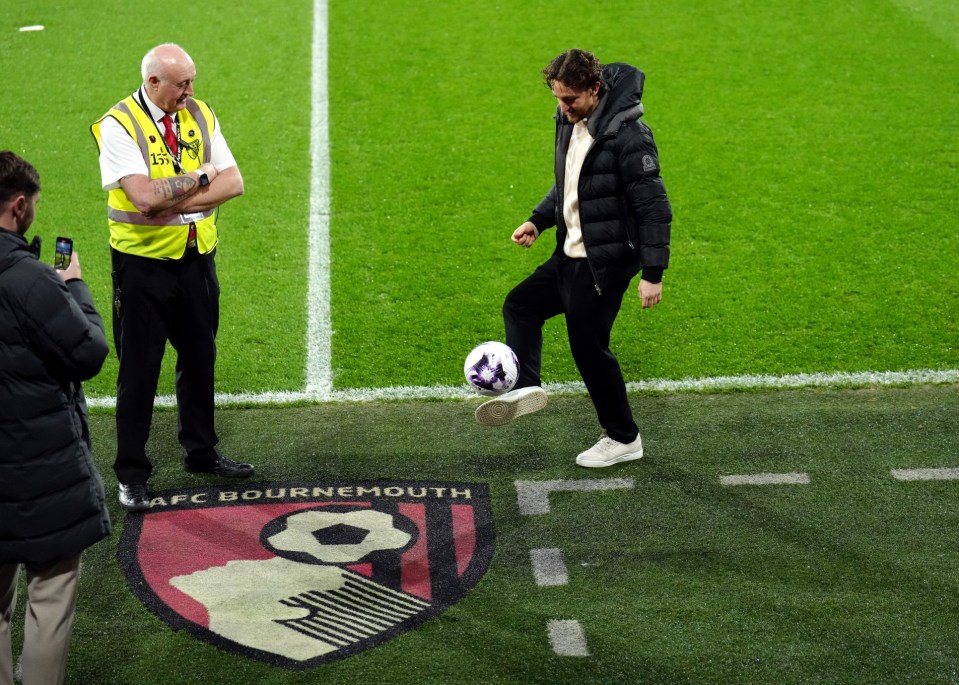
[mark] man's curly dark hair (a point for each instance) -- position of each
(576, 69)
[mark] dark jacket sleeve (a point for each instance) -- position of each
(646, 194)
(544, 216)
(64, 328)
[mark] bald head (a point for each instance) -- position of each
(168, 75)
(161, 58)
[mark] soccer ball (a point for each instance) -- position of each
(491, 368)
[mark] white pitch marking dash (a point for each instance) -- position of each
(532, 496)
(548, 567)
(766, 479)
(926, 474)
(567, 638)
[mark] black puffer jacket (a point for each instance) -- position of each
(624, 211)
(51, 338)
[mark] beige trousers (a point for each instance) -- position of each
(48, 626)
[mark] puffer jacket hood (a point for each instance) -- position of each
(621, 99)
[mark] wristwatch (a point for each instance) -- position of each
(204, 179)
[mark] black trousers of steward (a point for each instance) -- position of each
(156, 300)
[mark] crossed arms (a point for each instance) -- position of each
(182, 194)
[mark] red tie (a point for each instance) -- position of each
(169, 135)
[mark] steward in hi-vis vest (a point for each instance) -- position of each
(164, 237)
(167, 169)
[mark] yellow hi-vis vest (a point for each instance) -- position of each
(162, 237)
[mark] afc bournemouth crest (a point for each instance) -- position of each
(298, 574)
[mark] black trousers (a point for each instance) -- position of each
(156, 300)
(565, 286)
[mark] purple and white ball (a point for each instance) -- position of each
(491, 368)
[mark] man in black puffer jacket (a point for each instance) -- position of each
(51, 496)
(612, 220)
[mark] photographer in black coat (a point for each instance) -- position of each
(51, 496)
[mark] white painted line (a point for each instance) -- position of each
(548, 567)
(926, 474)
(766, 479)
(532, 496)
(567, 638)
(801, 380)
(319, 328)
(35, 27)
(319, 382)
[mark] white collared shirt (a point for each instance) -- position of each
(120, 155)
(579, 144)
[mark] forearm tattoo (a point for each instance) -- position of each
(174, 190)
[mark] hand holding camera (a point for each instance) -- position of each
(65, 260)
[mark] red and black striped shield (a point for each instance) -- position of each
(298, 574)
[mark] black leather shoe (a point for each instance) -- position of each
(134, 497)
(219, 465)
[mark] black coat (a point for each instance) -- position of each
(51, 338)
(624, 212)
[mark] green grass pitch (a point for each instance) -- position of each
(809, 149)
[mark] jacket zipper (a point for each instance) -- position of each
(599, 291)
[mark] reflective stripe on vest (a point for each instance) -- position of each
(119, 216)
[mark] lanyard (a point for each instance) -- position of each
(176, 127)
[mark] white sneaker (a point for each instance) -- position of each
(607, 452)
(503, 409)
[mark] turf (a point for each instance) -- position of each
(812, 172)
(809, 149)
(74, 70)
(849, 579)
(811, 168)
